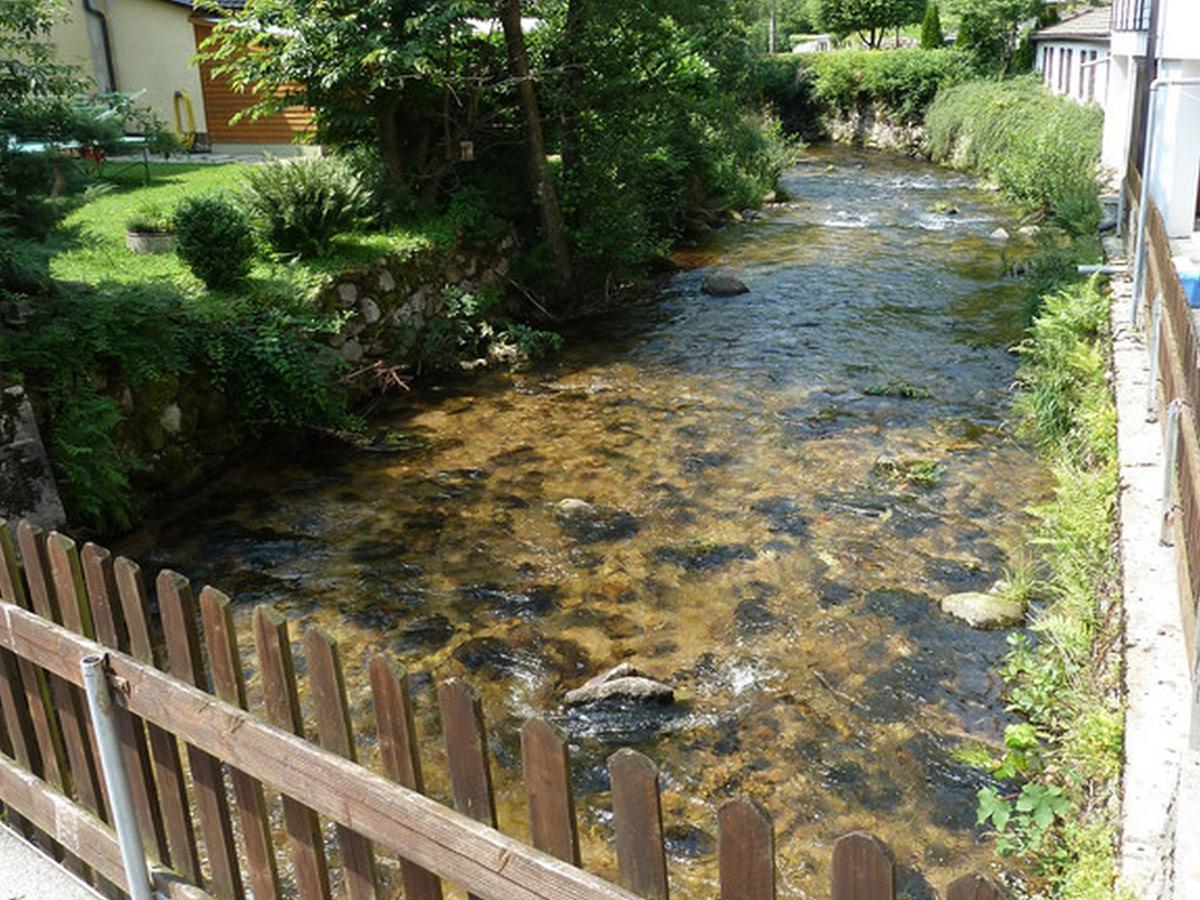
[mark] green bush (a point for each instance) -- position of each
(1042, 151)
(905, 81)
(213, 236)
(300, 205)
(149, 217)
(932, 37)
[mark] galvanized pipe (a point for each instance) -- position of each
(1155, 343)
(116, 782)
(1169, 463)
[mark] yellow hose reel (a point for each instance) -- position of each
(183, 111)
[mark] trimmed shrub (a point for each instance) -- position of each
(300, 205)
(1042, 151)
(932, 36)
(213, 237)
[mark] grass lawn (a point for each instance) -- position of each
(90, 242)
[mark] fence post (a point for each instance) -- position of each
(637, 815)
(466, 752)
(746, 851)
(1170, 463)
(863, 868)
(547, 767)
(974, 887)
(120, 801)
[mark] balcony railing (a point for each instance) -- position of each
(1130, 15)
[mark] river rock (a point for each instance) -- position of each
(591, 524)
(1000, 234)
(980, 610)
(1029, 231)
(623, 682)
(718, 285)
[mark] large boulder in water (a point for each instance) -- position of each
(623, 682)
(981, 610)
(722, 285)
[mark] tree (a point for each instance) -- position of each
(989, 30)
(931, 28)
(539, 172)
(871, 19)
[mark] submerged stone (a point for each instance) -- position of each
(784, 515)
(590, 524)
(754, 616)
(529, 603)
(981, 610)
(723, 285)
(703, 555)
(425, 633)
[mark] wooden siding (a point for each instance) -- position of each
(222, 103)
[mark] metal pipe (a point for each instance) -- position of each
(1168, 499)
(1155, 343)
(1139, 253)
(116, 782)
(1106, 269)
(105, 42)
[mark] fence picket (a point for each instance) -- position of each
(975, 887)
(178, 613)
(401, 761)
(75, 766)
(335, 735)
(863, 868)
(547, 766)
(164, 750)
(746, 850)
(108, 622)
(466, 752)
(283, 711)
(224, 659)
(637, 815)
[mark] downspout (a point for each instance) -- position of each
(102, 21)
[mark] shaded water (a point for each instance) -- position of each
(748, 549)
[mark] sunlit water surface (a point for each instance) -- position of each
(786, 588)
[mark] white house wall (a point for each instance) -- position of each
(1175, 168)
(1082, 87)
(1180, 32)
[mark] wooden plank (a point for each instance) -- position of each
(975, 887)
(863, 868)
(164, 751)
(440, 839)
(66, 573)
(547, 766)
(335, 735)
(212, 802)
(466, 752)
(109, 624)
(84, 834)
(401, 761)
(33, 681)
(283, 711)
(225, 661)
(746, 849)
(637, 816)
(80, 771)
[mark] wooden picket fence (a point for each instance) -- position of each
(1172, 338)
(194, 753)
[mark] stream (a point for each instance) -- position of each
(753, 538)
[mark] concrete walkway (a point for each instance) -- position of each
(26, 874)
(1160, 784)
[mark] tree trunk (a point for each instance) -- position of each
(572, 39)
(539, 172)
(771, 25)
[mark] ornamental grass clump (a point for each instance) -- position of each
(299, 206)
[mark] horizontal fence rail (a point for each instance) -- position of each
(200, 764)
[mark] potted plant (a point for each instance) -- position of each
(148, 230)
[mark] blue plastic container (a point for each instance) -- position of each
(1191, 287)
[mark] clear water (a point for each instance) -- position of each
(768, 570)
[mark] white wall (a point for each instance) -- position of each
(1180, 32)
(1118, 113)
(1087, 85)
(1175, 167)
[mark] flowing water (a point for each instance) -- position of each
(745, 544)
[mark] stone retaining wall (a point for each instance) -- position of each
(872, 126)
